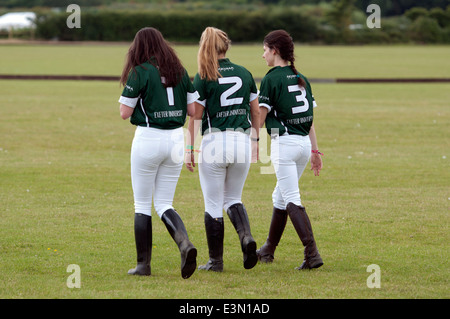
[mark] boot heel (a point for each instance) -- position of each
(190, 262)
(177, 230)
(250, 257)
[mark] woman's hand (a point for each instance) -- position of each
(316, 163)
(189, 160)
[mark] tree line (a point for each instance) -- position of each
(312, 21)
(315, 25)
(389, 7)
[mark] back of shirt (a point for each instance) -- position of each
(290, 106)
(155, 105)
(227, 100)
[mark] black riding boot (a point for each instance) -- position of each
(214, 235)
(267, 251)
(239, 219)
(188, 252)
(143, 238)
(302, 225)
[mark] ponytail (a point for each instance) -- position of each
(213, 43)
(301, 82)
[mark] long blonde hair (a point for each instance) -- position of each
(213, 43)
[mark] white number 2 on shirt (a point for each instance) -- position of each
(224, 98)
(300, 98)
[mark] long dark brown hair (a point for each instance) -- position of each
(150, 46)
(282, 42)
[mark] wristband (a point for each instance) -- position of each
(255, 139)
(316, 152)
(190, 147)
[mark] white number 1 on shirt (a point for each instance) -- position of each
(170, 97)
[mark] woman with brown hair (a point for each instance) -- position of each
(229, 112)
(156, 97)
(287, 105)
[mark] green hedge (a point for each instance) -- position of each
(417, 25)
(176, 26)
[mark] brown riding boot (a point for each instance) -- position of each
(302, 225)
(267, 251)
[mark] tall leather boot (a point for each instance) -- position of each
(214, 235)
(143, 238)
(302, 225)
(239, 219)
(267, 251)
(188, 252)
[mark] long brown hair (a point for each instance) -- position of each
(213, 43)
(150, 46)
(282, 42)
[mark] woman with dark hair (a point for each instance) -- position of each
(156, 97)
(286, 104)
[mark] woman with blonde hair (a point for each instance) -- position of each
(229, 112)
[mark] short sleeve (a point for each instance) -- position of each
(131, 91)
(253, 90)
(312, 95)
(192, 94)
(264, 95)
(199, 86)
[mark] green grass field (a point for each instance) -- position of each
(313, 61)
(382, 198)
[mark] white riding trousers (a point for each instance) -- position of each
(156, 163)
(290, 155)
(224, 163)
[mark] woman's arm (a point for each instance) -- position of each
(191, 109)
(255, 114)
(126, 111)
(316, 159)
(262, 115)
(194, 123)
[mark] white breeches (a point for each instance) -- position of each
(290, 155)
(224, 162)
(156, 163)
